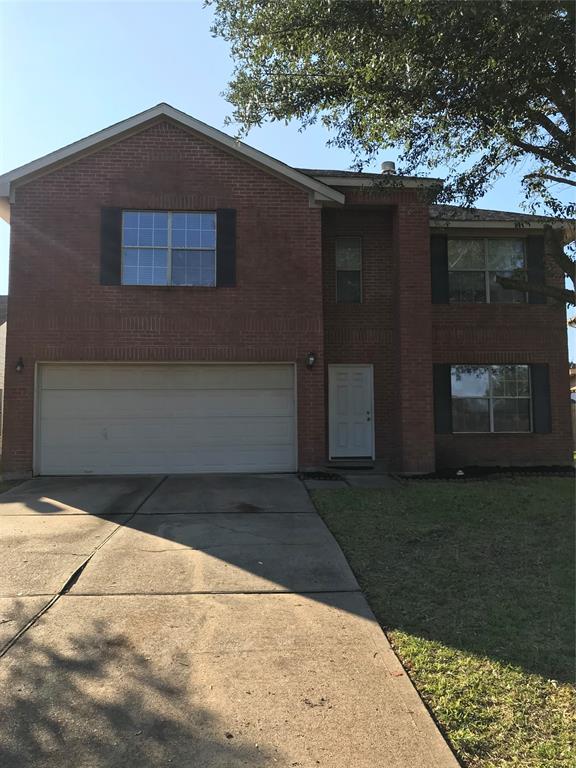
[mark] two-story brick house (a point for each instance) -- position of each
(180, 302)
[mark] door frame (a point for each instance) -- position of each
(331, 431)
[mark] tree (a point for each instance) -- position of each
(478, 87)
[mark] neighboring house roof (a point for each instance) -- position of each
(139, 122)
(3, 309)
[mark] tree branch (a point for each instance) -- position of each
(554, 249)
(538, 151)
(562, 137)
(562, 295)
(550, 177)
(560, 103)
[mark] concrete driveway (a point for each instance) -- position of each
(195, 622)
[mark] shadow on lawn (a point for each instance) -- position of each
(93, 699)
(485, 567)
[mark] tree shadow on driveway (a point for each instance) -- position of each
(481, 567)
(90, 698)
(188, 536)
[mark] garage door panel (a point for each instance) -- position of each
(100, 426)
(98, 435)
(165, 376)
(250, 460)
(122, 404)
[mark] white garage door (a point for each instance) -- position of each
(122, 419)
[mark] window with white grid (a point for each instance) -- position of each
(495, 398)
(168, 248)
(474, 264)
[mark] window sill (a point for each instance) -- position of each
(517, 304)
(175, 287)
(491, 434)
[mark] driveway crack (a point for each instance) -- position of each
(74, 576)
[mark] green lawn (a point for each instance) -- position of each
(474, 584)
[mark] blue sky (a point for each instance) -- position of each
(69, 69)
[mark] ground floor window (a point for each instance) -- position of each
(495, 398)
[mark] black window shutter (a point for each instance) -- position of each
(535, 266)
(111, 246)
(542, 419)
(439, 268)
(226, 246)
(442, 400)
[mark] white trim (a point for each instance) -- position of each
(400, 182)
(361, 270)
(491, 397)
(332, 367)
(168, 247)
(487, 272)
(5, 209)
(36, 419)
(117, 131)
(75, 361)
(296, 462)
(517, 224)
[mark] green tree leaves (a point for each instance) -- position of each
(479, 87)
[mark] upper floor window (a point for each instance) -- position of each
(494, 398)
(349, 270)
(168, 248)
(474, 265)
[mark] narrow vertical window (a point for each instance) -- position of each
(349, 270)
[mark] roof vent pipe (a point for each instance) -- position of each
(388, 166)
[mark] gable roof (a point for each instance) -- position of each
(118, 131)
(319, 182)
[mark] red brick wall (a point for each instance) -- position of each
(401, 333)
(282, 307)
(391, 328)
(363, 333)
(59, 311)
(415, 402)
(490, 334)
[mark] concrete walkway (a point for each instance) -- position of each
(192, 622)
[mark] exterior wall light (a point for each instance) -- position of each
(310, 359)
(19, 365)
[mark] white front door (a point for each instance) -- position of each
(351, 411)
